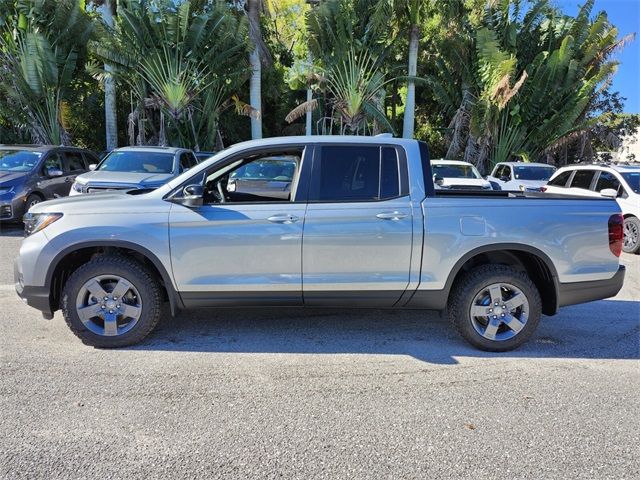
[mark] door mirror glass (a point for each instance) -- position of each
(53, 172)
(93, 166)
(192, 196)
(609, 193)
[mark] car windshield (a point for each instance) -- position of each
(633, 180)
(451, 170)
(530, 172)
(18, 160)
(137, 162)
(272, 169)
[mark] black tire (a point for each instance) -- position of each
(631, 235)
(133, 272)
(32, 200)
(473, 283)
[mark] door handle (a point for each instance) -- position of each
(283, 218)
(391, 215)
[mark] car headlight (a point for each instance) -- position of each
(4, 190)
(34, 222)
(77, 187)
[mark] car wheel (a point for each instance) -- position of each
(495, 307)
(631, 235)
(32, 200)
(111, 301)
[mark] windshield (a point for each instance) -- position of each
(633, 180)
(18, 160)
(529, 172)
(137, 162)
(455, 171)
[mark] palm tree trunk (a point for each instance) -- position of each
(255, 88)
(309, 113)
(111, 120)
(410, 104)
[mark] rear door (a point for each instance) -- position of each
(357, 238)
(582, 183)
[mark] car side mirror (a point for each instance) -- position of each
(192, 196)
(609, 193)
(437, 179)
(93, 166)
(53, 172)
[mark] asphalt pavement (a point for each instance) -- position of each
(289, 393)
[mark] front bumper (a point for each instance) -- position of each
(36, 297)
(583, 292)
(12, 208)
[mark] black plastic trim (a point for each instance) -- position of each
(242, 299)
(583, 292)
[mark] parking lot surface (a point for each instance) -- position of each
(289, 393)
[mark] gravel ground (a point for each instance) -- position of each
(321, 394)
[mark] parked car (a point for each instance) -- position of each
(457, 175)
(362, 226)
(30, 174)
(521, 176)
(140, 168)
(623, 183)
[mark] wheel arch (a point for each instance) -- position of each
(65, 262)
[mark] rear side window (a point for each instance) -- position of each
(356, 173)
(607, 180)
(582, 179)
(74, 162)
(561, 180)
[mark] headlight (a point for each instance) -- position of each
(34, 222)
(4, 190)
(77, 187)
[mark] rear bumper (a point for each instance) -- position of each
(583, 292)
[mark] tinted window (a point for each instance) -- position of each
(582, 179)
(528, 172)
(73, 162)
(561, 180)
(138, 162)
(356, 173)
(53, 160)
(90, 158)
(18, 161)
(186, 161)
(500, 171)
(633, 180)
(607, 180)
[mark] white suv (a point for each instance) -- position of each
(591, 180)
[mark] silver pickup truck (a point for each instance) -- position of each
(360, 226)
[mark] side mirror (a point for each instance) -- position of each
(93, 166)
(609, 193)
(192, 196)
(53, 172)
(437, 179)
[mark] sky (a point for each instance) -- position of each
(624, 14)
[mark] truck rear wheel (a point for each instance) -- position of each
(495, 307)
(111, 301)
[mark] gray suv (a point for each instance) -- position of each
(30, 174)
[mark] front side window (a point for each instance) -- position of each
(18, 160)
(356, 173)
(53, 161)
(607, 180)
(582, 179)
(137, 162)
(262, 178)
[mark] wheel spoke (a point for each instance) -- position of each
(517, 300)
(87, 313)
(492, 329)
(131, 311)
(496, 294)
(121, 288)
(96, 289)
(514, 324)
(479, 311)
(110, 324)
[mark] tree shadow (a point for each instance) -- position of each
(606, 329)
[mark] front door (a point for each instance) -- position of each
(242, 247)
(53, 186)
(358, 228)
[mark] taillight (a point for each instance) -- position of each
(543, 189)
(616, 233)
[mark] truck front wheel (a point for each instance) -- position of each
(111, 301)
(495, 307)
